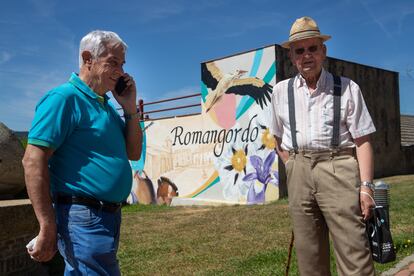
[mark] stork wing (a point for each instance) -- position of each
(210, 75)
(254, 87)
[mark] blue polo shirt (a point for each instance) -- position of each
(87, 136)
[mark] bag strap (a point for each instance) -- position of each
(373, 200)
(336, 111)
(292, 118)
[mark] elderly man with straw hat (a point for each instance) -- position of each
(322, 127)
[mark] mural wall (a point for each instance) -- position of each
(225, 153)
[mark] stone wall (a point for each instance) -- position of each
(11, 168)
(18, 227)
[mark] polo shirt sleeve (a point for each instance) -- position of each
(53, 121)
(276, 126)
(359, 120)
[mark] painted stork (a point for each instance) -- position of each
(220, 84)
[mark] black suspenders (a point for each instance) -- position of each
(292, 117)
(336, 109)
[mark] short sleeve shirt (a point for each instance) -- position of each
(314, 113)
(87, 136)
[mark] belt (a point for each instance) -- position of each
(329, 152)
(87, 201)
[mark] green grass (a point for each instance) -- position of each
(233, 240)
(23, 141)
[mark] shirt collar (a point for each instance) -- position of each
(85, 89)
(321, 81)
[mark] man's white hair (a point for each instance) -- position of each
(96, 42)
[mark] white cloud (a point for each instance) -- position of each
(184, 91)
(389, 17)
(44, 8)
(377, 20)
(228, 26)
(162, 9)
(23, 92)
(5, 57)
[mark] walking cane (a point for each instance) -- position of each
(289, 254)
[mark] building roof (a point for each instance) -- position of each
(407, 130)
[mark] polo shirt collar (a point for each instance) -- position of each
(85, 89)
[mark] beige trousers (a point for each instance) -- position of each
(324, 200)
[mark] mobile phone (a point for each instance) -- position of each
(120, 86)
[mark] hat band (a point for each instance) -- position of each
(303, 34)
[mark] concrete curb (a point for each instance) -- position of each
(403, 263)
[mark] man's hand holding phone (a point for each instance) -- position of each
(125, 93)
(120, 86)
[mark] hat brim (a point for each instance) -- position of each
(324, 38)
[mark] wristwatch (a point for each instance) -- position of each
(132, 116)
(368, 184)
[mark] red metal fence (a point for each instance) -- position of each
(145, 114)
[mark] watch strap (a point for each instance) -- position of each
(132, 116)
(368, 184)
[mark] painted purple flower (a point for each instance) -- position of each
(263, 175)
(256, 198)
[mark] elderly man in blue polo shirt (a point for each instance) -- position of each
(76, 162)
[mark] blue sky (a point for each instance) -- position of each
(168, 39)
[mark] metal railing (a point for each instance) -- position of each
(141, 107)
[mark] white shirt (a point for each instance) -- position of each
(314, 113)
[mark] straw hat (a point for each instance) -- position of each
(303, 28)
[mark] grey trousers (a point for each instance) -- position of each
(324, 200)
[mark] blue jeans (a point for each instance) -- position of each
(88, 239)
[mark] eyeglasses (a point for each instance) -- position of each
(311, 49)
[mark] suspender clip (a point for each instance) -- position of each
(335, 151)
